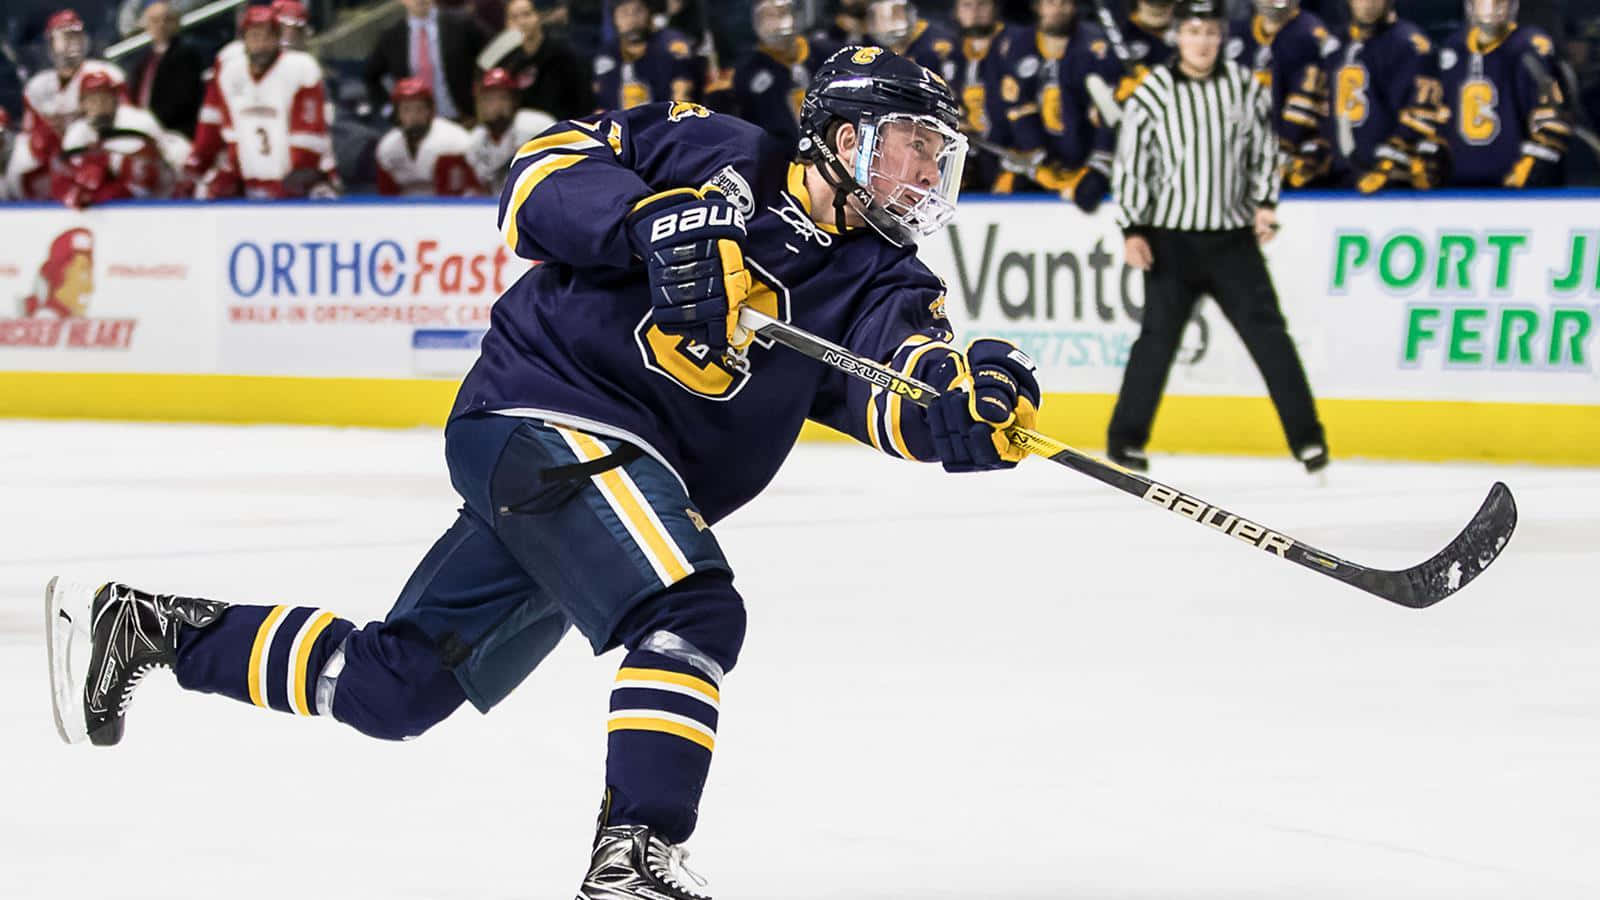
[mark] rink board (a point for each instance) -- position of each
(1458, 327)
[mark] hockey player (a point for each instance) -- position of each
(644, 65)
(424, 155)
(771, 83)
(1050, 109)
(615, 415)
(849, 25)
(1289, 48)
(1147, 29)
(116, 150)
(294, 24)
(263, 128)
(51, 102)
(1387, 102)
(977, 85)
(895, 25)
(501, 128)
(1504, 128)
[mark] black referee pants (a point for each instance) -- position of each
(1228, 265)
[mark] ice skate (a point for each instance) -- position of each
(102, 640)
(630, 863)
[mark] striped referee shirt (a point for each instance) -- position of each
(1196, 154)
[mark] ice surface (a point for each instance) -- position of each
(1020, 685)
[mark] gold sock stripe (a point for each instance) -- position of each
(258, 654)
(300, 658)
(662, 723)
(665, 676)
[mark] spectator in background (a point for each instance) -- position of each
(439, 46)
(548, 74)
(266, 107)
(424, 154)
(167, 77)
(501, 128)
(644, 65)
(771, 82)
(1509, 122)
(116, 151)
(51, 103)
(894, 24)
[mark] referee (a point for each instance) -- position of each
(1196, 178)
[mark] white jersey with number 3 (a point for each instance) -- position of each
(275, 123)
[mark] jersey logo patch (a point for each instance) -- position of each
(604, 64)
(865, 55)
(683, 109)
(762, 80)
(735, 188)
(1028, 67)
(1448, 58)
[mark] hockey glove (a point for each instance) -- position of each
(1308, 163)
(691, 245)
(988, 389)
(1392, 163)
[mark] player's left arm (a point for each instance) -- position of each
(309, 142)
(985, 388)
(1547, 126)
(1413, 88)
(1305, 107)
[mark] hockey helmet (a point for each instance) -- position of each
(1200, 9)
(290, 13)
(96, 81)
(905, 176)
(412, 88)
(496, 79)
(255, 16)
(66, 40)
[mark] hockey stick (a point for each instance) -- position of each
(1549, 93)
(1418, 587)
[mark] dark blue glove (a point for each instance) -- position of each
(989, 389)
(1090, 190)
(691, 242)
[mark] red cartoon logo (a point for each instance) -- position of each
(56, 313)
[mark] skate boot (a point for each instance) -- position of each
(630, 863)
(102, 641)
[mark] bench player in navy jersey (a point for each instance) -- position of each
(770, 84)
(645, 64)
(1287, 47)
(977, 85)
(1147, 30)
(616, 414)
(895, 25)
(1388, 104)
(1504, 130)
(1049, 108)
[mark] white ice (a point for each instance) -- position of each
(1017, 685)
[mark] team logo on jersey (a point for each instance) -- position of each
(1028, 67)
(697, 520)
(761, 82)
(604, 64)
(937, 307)
(1235, 47)
(735, 188)
(683, 109)
(865, 55)
(691, 365)
(1448, 58)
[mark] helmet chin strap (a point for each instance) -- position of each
(838, 176)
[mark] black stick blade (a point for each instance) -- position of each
(1454, 567)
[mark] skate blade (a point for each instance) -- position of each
(66, 692)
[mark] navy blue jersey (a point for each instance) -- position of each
(1498, 119)
(975, 80)
(1291, 62)
(667, 70)
(1048, 104)
(770, 85)
(1145, 47)
(1386, 93)
(573, 342)
(932, 47)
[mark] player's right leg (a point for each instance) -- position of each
(1168, 302)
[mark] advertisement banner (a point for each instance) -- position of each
(360, 290)
(106, 291)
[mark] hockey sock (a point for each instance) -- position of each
(266, 655)
(663, 727)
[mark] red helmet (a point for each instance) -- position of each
(65, 20)
(290, 13)
(497, 79)
(411, 89)
(96, 81)
(258, 15)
